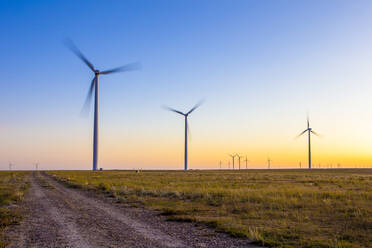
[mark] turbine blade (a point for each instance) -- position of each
(128, 67)
(86, 107)
(308, 122)
(316, 133)
(77, 52)
(196, 106)
(173, 110)
(301, 133)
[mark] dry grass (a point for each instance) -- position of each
(12, 189)
(277, 208)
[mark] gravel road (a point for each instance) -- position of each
(58, 216)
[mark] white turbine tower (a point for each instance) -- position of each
(233, 160)
(309, 131)
(94, 87)
(246, 162)
(186, 124)
(239, 157)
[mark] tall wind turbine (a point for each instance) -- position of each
(238, 159)
(233, 160)
(309, 131)
(186, 124)
(268, 163)
(94, 87)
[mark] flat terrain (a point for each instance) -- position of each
(59, 216)
(276, 208)
(13, 186)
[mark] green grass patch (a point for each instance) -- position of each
(277, 208)
(13, 186)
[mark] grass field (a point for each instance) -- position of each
(12, 189)
(277, 208)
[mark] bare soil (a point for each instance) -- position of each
(58, 216)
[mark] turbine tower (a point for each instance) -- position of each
(268, 163)
(186, 124)
(246, 162)
(233, 160)
(94, 87)
(309, 131)
(239, 159)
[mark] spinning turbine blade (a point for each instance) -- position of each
(308, 122)
(128, 67)
(173, 110)
(77, 52)
(88, 100)
(196, 106)
(301, 133)
(315, 133)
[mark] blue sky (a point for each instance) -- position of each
(260, 65)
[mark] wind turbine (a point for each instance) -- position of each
(268, 163)
(10, 166)
(220, 164)
(186, 124)
(309, 131)
(246, 162)
(94, 87)
(233, 160)
(239, 159)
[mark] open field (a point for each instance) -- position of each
(58, 216)
(12, 189)
(277, 208)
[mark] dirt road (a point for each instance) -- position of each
(58, 216)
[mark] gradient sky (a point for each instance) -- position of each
(260, 65)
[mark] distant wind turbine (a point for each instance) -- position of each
(239, 159)
(309, 131)
(186, 124)
(233, 160)
(10, 166)
(94, 87)
(246, 162)
(268, 163)
(220, 164)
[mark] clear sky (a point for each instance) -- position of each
(260, 65)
